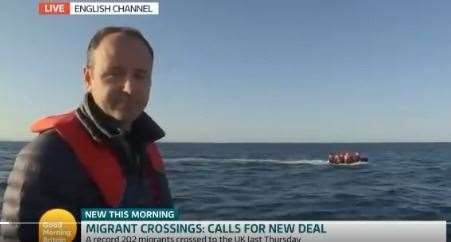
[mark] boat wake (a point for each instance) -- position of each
(246, 160)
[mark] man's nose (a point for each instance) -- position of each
(128, 85)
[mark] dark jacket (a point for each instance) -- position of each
(47, 174)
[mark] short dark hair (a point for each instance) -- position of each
(97, 38)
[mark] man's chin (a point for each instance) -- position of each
(122, 118)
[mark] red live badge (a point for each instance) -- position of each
(54, 8)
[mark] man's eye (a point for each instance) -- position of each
(112, 75)
(141, 76)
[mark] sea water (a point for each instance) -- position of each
(401, 181)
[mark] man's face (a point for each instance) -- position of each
(119, 77)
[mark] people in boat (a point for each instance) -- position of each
(345, 158)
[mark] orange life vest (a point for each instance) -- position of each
(98, 159)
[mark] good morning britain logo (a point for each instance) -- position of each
(98, 8)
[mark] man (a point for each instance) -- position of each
(337, 158)
(100, 155)
(346, 158)
(357, 156)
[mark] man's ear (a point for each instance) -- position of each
(87, 78)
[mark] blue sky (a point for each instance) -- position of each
(251, 71)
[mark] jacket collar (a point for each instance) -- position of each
(102, 127)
